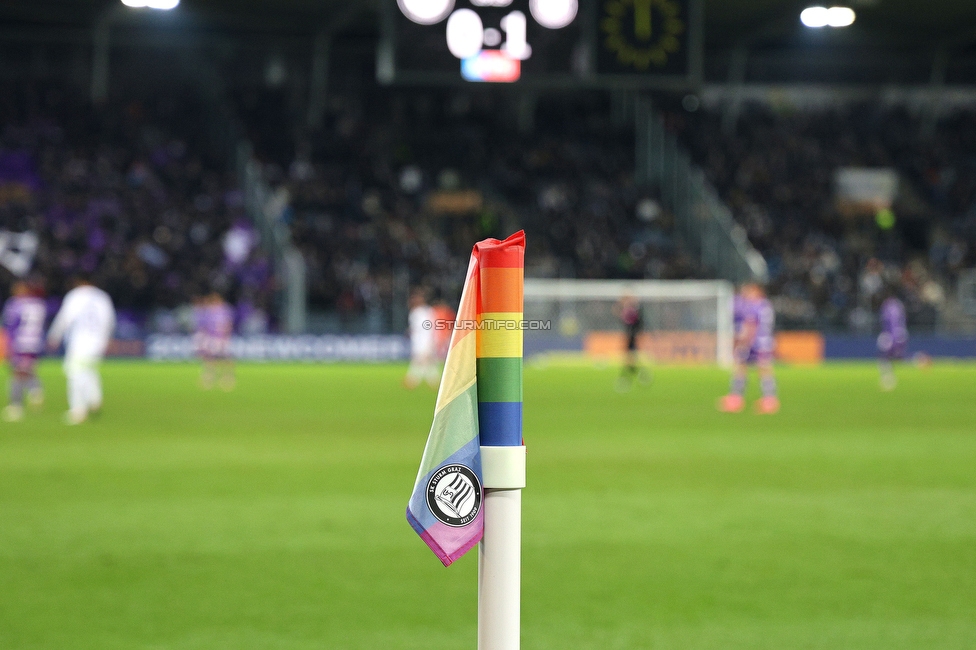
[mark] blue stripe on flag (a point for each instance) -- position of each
(500, 424)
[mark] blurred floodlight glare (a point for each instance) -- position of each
(554, 14)
(814, 16)
(164, 5)
(840, 16)
(823, 17)
(426, 12)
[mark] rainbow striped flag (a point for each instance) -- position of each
(479, 402)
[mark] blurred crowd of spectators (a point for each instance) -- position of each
(123, 193)
(830, 269)
(573, 182)
(393, 191)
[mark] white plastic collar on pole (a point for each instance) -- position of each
(503, 467)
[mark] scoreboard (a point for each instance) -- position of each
(486, 40)
(582, 42)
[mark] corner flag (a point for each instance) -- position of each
(479, 402)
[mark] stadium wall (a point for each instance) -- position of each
(288, 348)
(791, 347)
(865, 347)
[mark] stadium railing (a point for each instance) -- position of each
(703, 222)
(276, 236)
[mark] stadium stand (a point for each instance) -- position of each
(829, 270)
(123, 193)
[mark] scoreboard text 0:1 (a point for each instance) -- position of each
(487, 40)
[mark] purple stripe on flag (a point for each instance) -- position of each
(449, 543)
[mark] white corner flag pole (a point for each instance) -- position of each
(500, 552)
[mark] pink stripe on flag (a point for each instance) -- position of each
(457, 541)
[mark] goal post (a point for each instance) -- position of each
(684, 321)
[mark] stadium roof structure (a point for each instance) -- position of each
(892, 41)
(894, 22)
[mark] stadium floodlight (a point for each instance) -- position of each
(816, 17)
(162, 5)
(553, 14)
(426, 12)
(840, 16)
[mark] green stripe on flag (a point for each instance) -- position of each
(500, 379)
(454, 426)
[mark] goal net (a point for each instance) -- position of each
(684, 321)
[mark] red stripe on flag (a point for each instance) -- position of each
(502, 254)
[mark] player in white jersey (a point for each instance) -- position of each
(85, 323)
(423, 344)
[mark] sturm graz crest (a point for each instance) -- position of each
(454, 495)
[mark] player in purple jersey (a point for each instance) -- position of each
(754, 320)
(23, 320)
(893, 339)
(214, 326)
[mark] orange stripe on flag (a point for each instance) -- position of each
(501, 290)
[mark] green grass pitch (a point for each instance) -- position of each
(272, 517)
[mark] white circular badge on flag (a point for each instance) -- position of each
(454, 495)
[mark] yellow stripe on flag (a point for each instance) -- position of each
(499, 334)
(460, 371)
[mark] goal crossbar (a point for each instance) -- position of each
(719, 292)
(610, 289)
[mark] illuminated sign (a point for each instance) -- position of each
(491, 66)
(643, 37)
